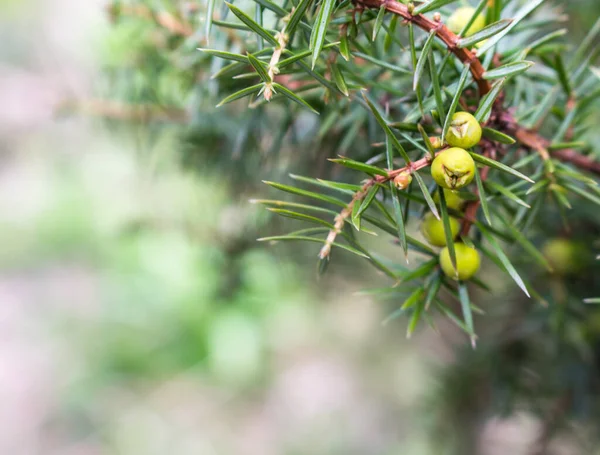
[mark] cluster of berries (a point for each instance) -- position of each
(452, 169)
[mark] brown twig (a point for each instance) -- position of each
(532, 140)
(123, 111)
(442, 32)
(360, 195)
(162, 18)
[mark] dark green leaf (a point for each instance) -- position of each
(382, 63)
(317, 38)
(398, 218)
(510, 69)
(300, 55)
(426, 194)
(486, 103)
(323, 264)
(562, 74)
(500, 166)
(415, 318)
(413, 56)
(251, 24)
(450, 315)
(225, 55)
(447, 227)
(589, 39)
(524, 11)
(293, 204)
(260, 69)
(484, 33)
(426, 140)
(507, 193)
(431, 5)
(498, 136)
(277, 238)
(378, 22)
(390, 33)
(526, 244)
(413, 299)
(296, 16)
(346, 188)
(292, 96)
(584, 194)
(423, 59)
(388, 132)
(366, 202)
(476, 12)
(358, 166)
(241, 94)
(433, 289)
(482, 197)
(567, 145)
(310, 194)
(338, 77)
(545, 39)
(504, 260)
(210, 9)
(459, 89)
(355, 216)
(300, 216)
(345, 47)
(273, 7)
(465, 305)
(435, 83)
(421, 271)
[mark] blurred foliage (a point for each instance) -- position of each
(529, 357)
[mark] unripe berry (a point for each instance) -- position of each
(467, 262)
(402, 180)
(460, 18)
(464, 131)
(453, 199)
(436, 142)
(453, 168)
(565, 256)
(433, 229)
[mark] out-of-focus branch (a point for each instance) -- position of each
(162, 18)
(534, 141)
(123, 111)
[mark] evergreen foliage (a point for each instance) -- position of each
(373, 86)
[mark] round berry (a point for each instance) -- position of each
(565, 256)
(460, 18)
(433, 229)
(453, 168)
(467, 262)
(464, 131)
(402, 180)
(453, 199)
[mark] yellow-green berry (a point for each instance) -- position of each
(402, 180)
(453, 199)
(453, 168)
(460, 18)
(464, 131)
(467, 262)
(565, 256)
(433, 229)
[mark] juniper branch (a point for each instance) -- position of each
(449, 38)
(360, 195)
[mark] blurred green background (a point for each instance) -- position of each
(138, 314)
